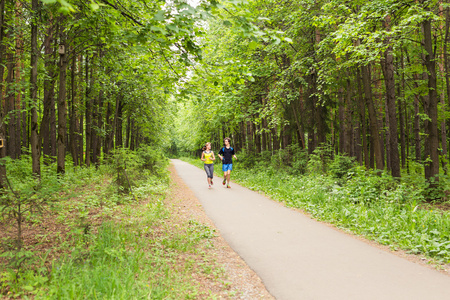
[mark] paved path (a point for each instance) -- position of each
(299, 258)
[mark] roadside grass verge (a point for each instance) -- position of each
(376, 207)
(92, 240)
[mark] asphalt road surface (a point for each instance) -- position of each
(299, 258)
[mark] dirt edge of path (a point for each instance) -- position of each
(241, 281)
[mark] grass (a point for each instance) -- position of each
(95, 243)
(376, 207)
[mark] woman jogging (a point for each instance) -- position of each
(226, 154)
(208, 158)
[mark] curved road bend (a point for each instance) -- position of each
(299, 258)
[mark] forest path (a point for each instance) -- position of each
(300, 258)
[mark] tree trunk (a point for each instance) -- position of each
(62, 107)
(10, 96)
(100, 137)
(35, 145)
(257, 138)
(341, 114)
(88, 114)
(133, 136)
(128, 131)
(2, 111)
(95, 128)
(390, 104)
(73, 140)
(118, 123)
(362, 117)
(374, 132)
(446, 60)
(401, 115)
(432, 166)
(109, 122)
(49, 82)
(348, 141)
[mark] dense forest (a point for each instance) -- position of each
(368, 79)
(82, 78)
(339, 108)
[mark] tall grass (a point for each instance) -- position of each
(113, 245)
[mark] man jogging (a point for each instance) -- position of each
(226, 154)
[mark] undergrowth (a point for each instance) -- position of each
(97, 236)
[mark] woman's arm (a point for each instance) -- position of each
(212, 156)
(203, 155)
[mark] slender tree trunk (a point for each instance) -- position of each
(80, 122)
(95, 129)
(53, 140)
(35, 145)
(257, 138)
(73, 144)
(401, 105)
(133, 137)
(62, 107)
(118, 123)
(2, 111)
(128, 131)
(88, 114)
(108, 129)
(250, 137)
(390, 104)
(374, 132)
(341, 121)
(446, 60)
(18, 78)
(10, 96)
(100, 137)
(431, 167)
(362, 117)
(348, 120)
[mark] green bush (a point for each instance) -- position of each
(340, 166)
(152, 159)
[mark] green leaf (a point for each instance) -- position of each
(94, 6)
(160, 16)
(252, 45)
(173, 27)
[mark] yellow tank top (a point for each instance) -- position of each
(207, 156)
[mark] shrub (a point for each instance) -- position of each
(340, 166)
(152, 159)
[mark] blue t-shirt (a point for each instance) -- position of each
(227, 154)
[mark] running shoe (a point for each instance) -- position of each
(212, 183)
(228, 187)
(224, 181)
(209, 186)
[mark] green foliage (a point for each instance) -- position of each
(293, 159)
(129, 254)
(153, 159)
(24, 198)
(340, 166)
